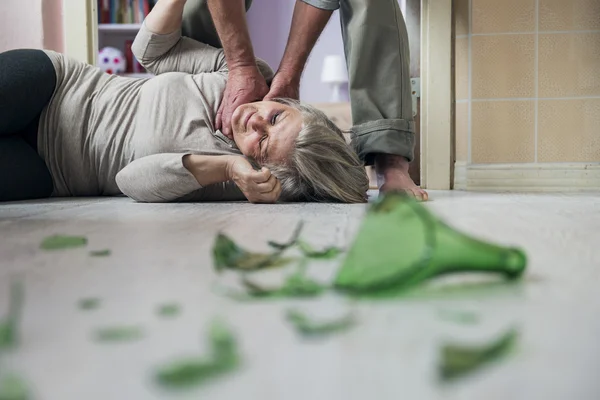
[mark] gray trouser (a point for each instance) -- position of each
(377, 55)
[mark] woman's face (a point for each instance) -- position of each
(266, 130)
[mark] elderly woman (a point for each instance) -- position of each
(68, 129)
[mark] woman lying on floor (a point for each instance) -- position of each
(68, 129)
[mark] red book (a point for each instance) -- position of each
(146, 8)
(137, 67)
(129, 56)
(104, 11)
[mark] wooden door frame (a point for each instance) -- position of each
(80, 29)
(436, 94)
(411, 9)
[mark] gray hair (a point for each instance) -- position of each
(322, 166)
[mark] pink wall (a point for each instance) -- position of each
(53, 24)
(31, 24)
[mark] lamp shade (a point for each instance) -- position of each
(334, 70)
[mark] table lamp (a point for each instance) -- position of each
(335, 73)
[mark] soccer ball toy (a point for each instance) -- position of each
(112, 60)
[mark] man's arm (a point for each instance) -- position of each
(245, 83)
(308, 23)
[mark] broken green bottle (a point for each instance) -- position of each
(400, 244)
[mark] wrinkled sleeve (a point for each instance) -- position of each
(174, 53)
(161, 178)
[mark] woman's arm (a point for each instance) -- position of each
(171, 177)
(160, 48)
(165, 17)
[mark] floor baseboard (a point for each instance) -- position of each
(554, 177)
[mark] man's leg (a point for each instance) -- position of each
(198, 24)
(377, 54)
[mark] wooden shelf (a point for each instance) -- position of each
(124, 28)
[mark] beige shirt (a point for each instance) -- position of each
(105, 135)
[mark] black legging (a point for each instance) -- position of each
(27, 82)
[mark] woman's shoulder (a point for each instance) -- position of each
(265, 69)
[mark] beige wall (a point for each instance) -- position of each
(53, 24)
(527, 78)
(31, 24)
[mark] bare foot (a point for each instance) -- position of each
(392, 175)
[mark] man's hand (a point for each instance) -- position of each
(245, 85)
(307, 24)
(257, 186)
(283, 86)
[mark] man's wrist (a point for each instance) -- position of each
(242, 67)
(289, 76)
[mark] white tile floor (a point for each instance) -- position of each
(161, 253)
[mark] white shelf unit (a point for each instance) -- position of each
(119, 28)
(115, 35)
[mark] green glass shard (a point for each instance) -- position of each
(310, 252)
(305, 326)
(100, 253)
(90, 303)
(6, 334)
(168, 310)
(59, 242)
(223, 357)
(455, 290)
(458, 360)
(228, 255)
(301, 286)
(401, 244)
(13, 387)
(187, 371)
(307, 249)
(296, 285)
(293, 240)
(223, 343)
(9, 326)
(118, 334)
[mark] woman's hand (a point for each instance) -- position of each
(257, 186)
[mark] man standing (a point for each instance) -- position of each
(377, 56)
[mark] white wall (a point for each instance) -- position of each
(31, 24)
(21, 24)
(269, 23)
